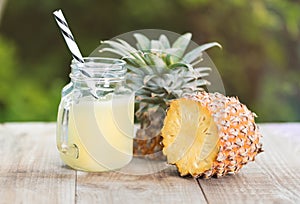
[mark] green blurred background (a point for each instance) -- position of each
(259, 63)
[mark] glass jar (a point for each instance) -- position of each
(95, 116)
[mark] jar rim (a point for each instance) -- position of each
(95, 62)
(98, 69)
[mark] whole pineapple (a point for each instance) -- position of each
(209, 134)
(159, 72)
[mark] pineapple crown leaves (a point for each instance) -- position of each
(157, 85)
(171, 55)
(160, 71)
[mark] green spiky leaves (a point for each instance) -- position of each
(170, 54)
(159, 70)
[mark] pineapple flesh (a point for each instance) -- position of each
(208, 134)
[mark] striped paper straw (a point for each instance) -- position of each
(67, 34)
(70, 41)
(69, 38)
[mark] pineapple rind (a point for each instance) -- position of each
(238, 136)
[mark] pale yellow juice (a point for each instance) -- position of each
(102, 131)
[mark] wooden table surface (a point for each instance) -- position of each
(32, 172)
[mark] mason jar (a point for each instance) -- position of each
(95, 116)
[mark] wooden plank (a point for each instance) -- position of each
(31, 172)
(30, 167)
(162, 187)
(273, 178)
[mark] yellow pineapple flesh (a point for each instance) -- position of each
(209, 135)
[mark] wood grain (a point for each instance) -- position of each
(163, 187)
(273, 178)
(31, 171)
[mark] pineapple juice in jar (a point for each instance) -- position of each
(95, 118)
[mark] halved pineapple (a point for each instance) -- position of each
(209, 134)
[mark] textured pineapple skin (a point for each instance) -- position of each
(147, 143)
(239, 138)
